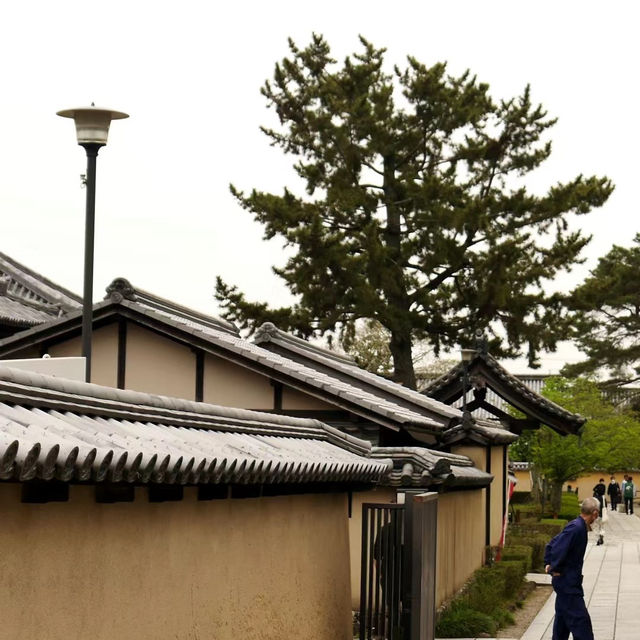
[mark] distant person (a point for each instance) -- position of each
(625, 479)
(598, 493)
(629, 494)
(563, 558)
(615, 494)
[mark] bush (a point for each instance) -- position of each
(459, 620)
(481, 608)
(514, 572)
(486, 589)
(558, 523)
(535, 528)
(521, 497)
(536, 542)
(521, 552)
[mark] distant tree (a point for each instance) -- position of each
(606, 324)
(369, 346)
(415, 213)
(610, 440)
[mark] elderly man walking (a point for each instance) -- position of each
(563, 558)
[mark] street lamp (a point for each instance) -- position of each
(92, 129)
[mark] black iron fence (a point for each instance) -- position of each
(397, 582)
(382, 574)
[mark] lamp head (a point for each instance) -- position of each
(466, 355)
(92, 123)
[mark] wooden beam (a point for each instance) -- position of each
(122, 352)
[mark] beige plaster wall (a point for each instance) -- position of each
(497, 488)
(294, 399)
(525, 483)
(255, 569)
(230, 385)
(479, 456)
(460, 540)
(104, 354)
(158, 365)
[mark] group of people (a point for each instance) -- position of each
(616, 493)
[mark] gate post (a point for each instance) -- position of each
(420, 549)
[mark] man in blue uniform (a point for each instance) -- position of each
(563, 558)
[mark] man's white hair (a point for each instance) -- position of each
(589, 505)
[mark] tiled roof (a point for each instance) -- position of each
(302, 351)
(420, 467)
(478, 431)
(30, 285)
(221, 338)
(448, 388)
(28, 298)
(74, 431)
(23, 314)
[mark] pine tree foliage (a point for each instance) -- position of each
(415, 213)
(606, 324)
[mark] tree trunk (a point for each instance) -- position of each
(556, 497)
(535, 484)
(403, 372)
(395, 287)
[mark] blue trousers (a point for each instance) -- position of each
(571, 617)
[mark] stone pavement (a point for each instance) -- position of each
(611, 584)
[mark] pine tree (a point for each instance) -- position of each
(415, 214)
(606, 321)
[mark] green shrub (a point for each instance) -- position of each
(558, 523)
(459, 620)
(518, 552)
(521, 497)
(486, 589)
(514, 572)
(535, 528)
(503, 617)
(536, 542)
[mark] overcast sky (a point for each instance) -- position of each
(189, 75)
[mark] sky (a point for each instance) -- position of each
(189, 76)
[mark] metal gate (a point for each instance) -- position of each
(381, 571)
(398, 566)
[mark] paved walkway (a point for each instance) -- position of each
(611, 584)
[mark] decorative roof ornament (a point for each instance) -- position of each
(266, 332)
(482, 344)
(121, 289)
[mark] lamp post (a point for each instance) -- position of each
(92, 129)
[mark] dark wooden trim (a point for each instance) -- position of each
(505, 477)
(108, 493)
(199, 375)
(277, 395)
(165, 492)
(122, 352)
(487, 505)
(40, 492)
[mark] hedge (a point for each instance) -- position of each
(522, 552)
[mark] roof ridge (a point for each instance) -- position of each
(267, 331)
(120, 288)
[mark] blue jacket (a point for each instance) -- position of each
(565, 554)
